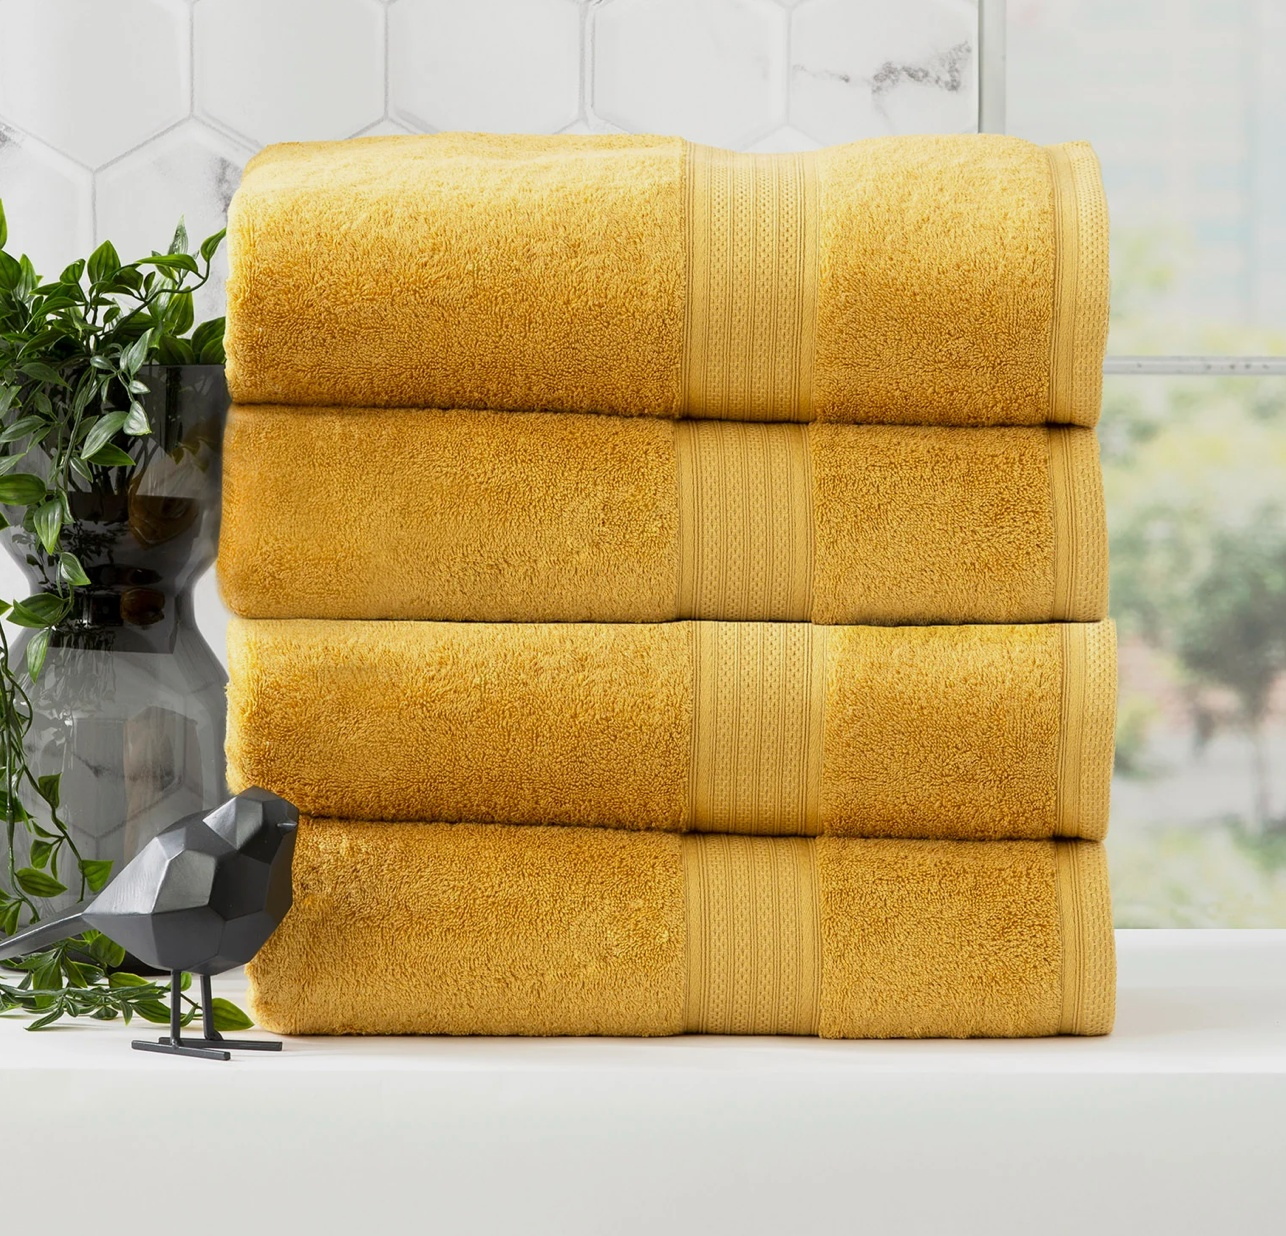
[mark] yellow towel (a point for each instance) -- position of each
(974, 732)
(483, 929)
(491, 516)
(939, 280)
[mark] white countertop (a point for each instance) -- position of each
(1174, 1123)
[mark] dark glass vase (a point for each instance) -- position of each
(130, 705)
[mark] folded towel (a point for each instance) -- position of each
(491, 516)
(483, 929)
(939, 280)
(972, 732)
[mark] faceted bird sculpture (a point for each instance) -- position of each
(203, 896)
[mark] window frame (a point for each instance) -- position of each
(992, 77)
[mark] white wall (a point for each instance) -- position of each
(118, 115)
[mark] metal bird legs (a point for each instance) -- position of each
(211, 1045)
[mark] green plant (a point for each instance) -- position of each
(71, 353)
(1198, 566)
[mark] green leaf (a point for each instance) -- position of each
(153, 1011)
(9, 917)
(171, 351)
(134, 356)
(210, 245)
(136, 423)
(27, 278)
(47, 519)
(44, 609)
(21, 428)
(104, 429)
(207, 341)
(123, 979)
(85, 391)
(47, 1020)
(106, 952)
(110, 457)
(40, 852)
(49, 787)
(227, 1016)
(10, 273)
(38, 883)
(179, 314)
(47, 973)
(96, 871)
(71, 570)
(21, 489)
(37, 650)
(103, 262)
(4, 229)
(42, 373)
(172, 262)
(180, 242)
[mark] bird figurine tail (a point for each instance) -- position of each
(41, 935)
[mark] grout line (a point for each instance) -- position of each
(790, 68)
(192, 58)
(388, 83)
(587, 22)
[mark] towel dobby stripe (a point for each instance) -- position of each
(1079, 328)
(1071, 728)
(753, 935)
(1088, 961)
(751, 303)
(1087, 728)
(745, 521)
(759, 695)
(1066, 531)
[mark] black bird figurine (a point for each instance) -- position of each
(203, 896)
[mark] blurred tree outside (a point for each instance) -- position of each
(1195, 478)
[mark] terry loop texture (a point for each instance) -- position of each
(974, 732)
(938, 280)
(483, 929)
(492, 516)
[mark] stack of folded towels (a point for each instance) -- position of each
(672, 584)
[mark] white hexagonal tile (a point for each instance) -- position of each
(190, 171)
(861, 68)
(509, 66)
(48, 203)
(93, 80)
(290, 70)
(709, 70)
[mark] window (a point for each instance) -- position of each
(1186, 106)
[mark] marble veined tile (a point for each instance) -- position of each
(863, 68)
(190, 171)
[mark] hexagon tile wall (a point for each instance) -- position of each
(196, 86)
(115, 115)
